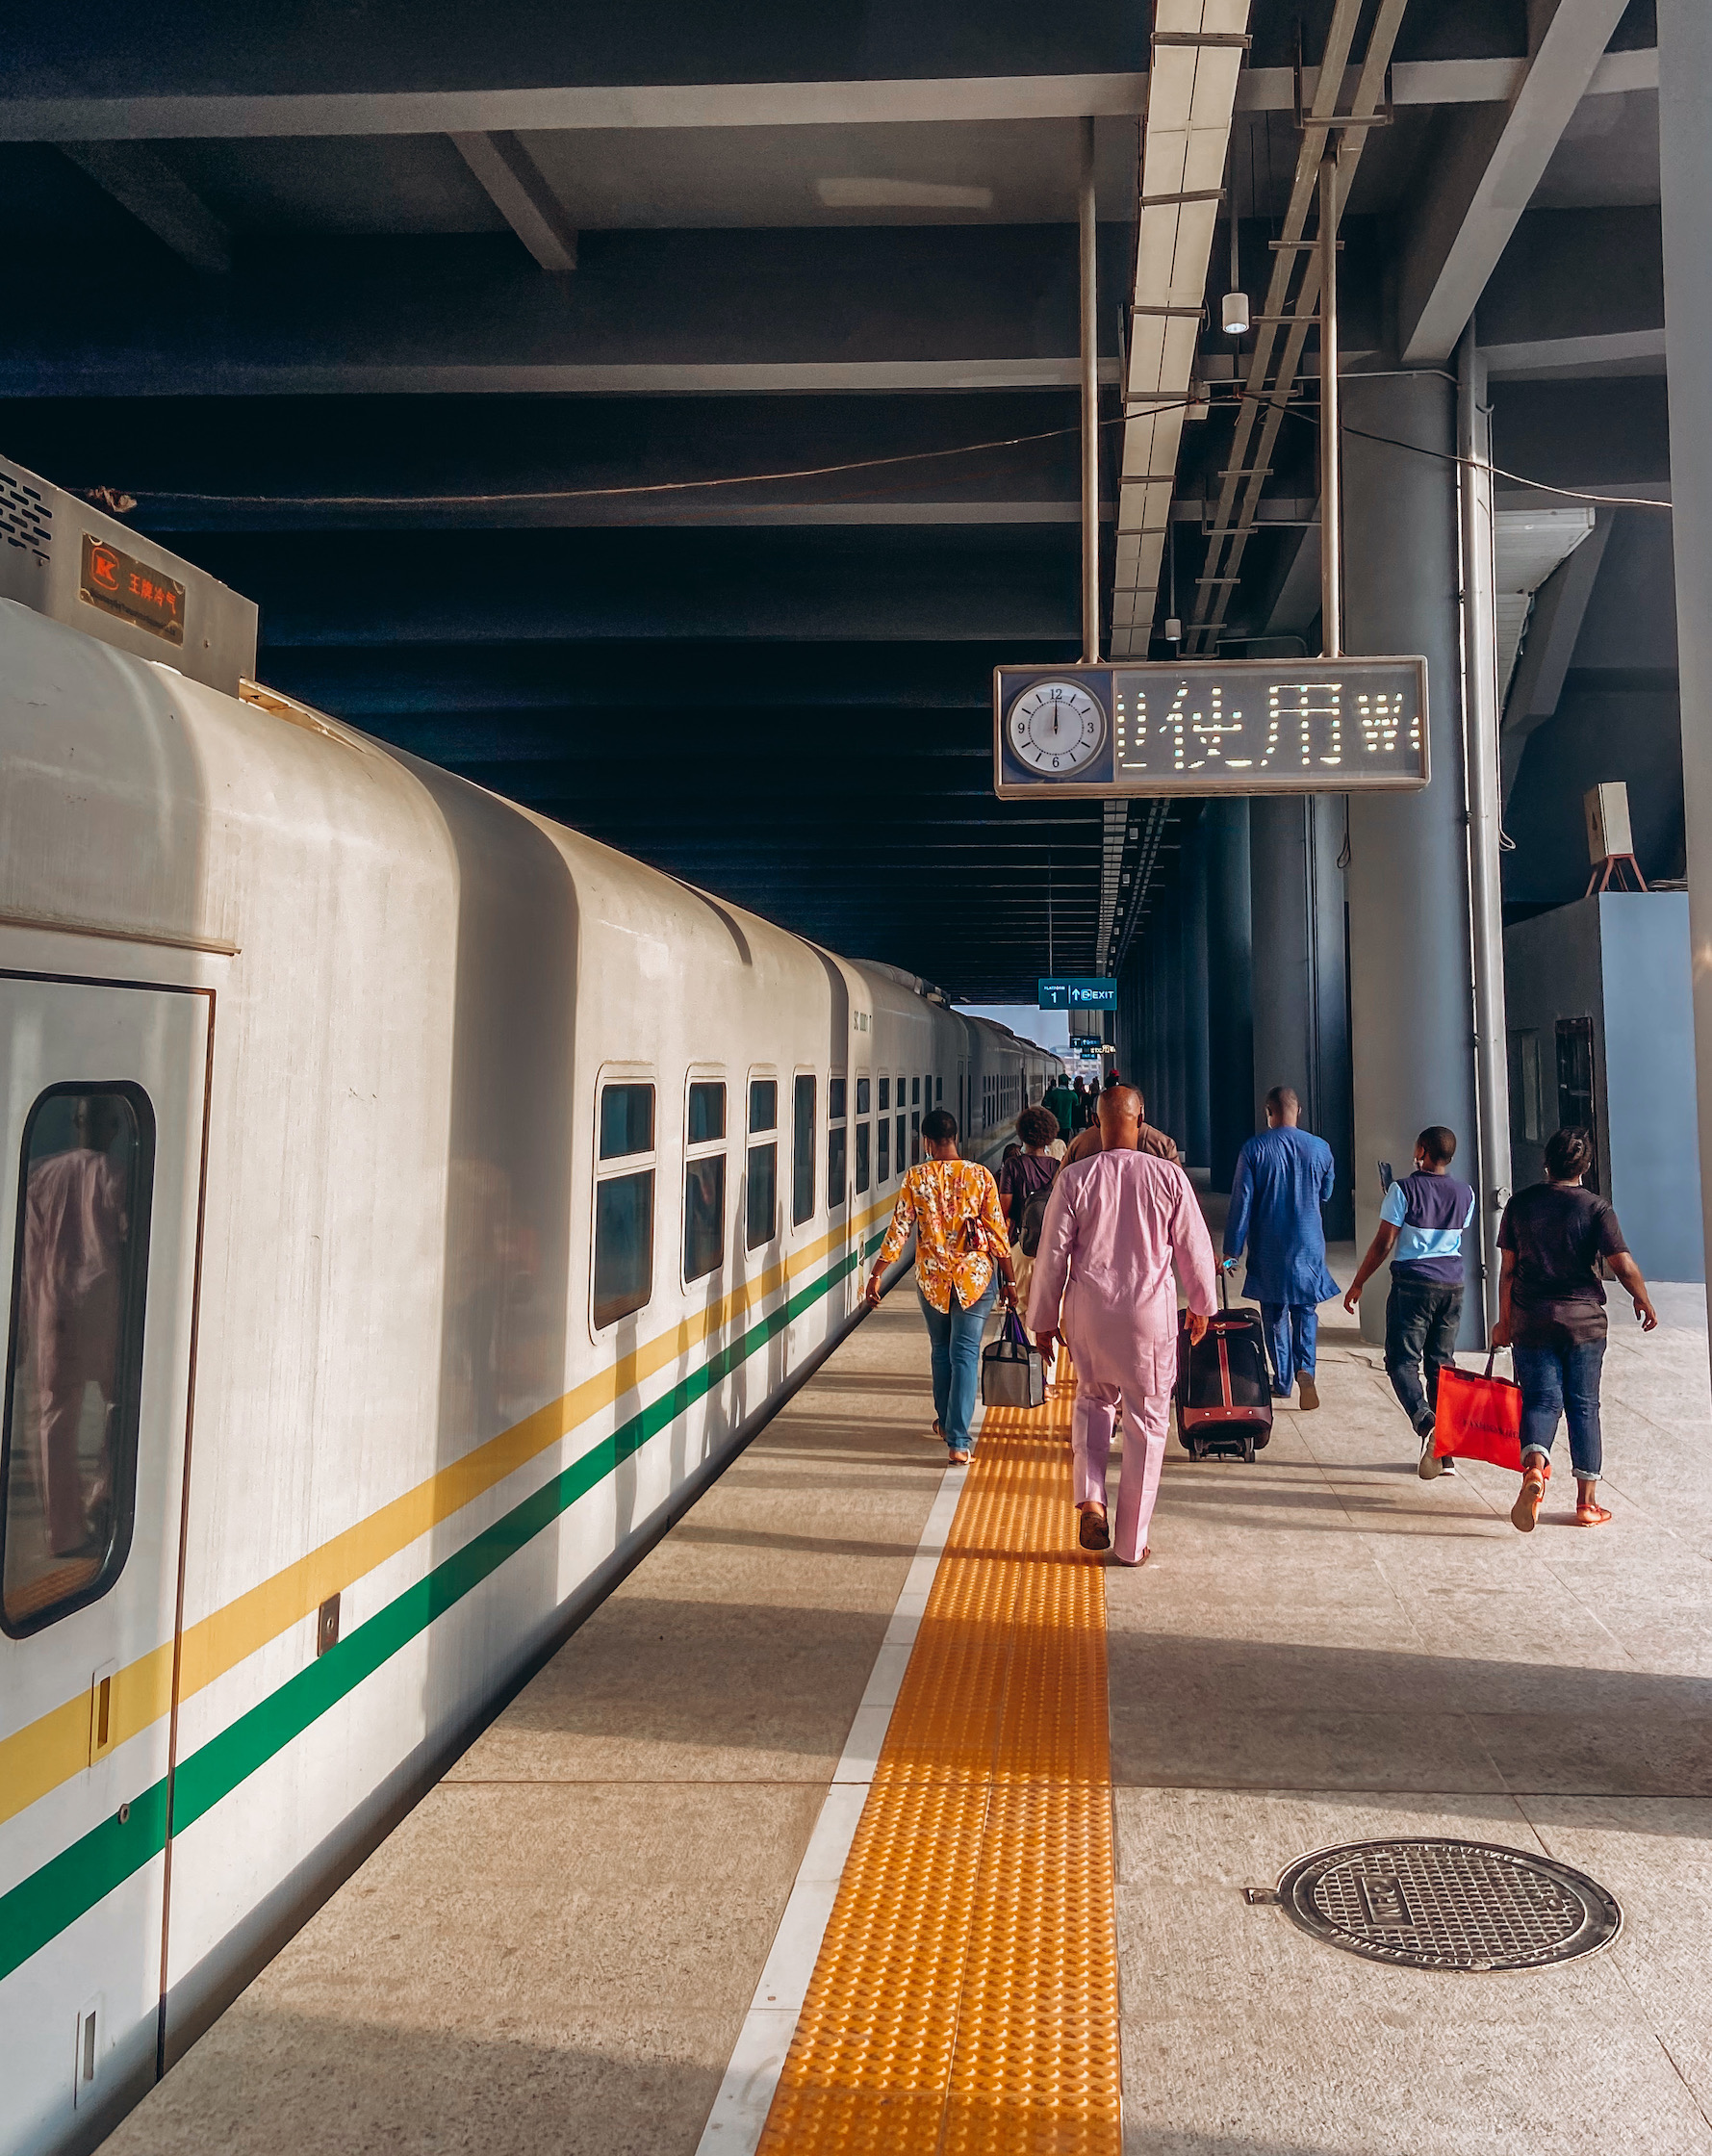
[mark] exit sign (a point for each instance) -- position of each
(1078, 992)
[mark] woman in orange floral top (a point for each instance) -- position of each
(962, 1254)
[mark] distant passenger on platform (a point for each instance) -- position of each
(1087, 1142)
(1421, 1223)
(1284, 1176)
(1062, 1099)
(1025, 1177)
(1115, 1225)
(962, 1265)
(1551, 1315)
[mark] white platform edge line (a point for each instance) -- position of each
(745, 2095)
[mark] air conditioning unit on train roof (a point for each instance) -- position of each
(63, 559)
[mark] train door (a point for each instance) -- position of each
(101, 1162)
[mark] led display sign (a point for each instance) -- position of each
(1078, 992)
(116, 582)
(1245, 726)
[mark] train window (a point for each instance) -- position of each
(915, 1090)
(914, 1138)
(627, 1120)
(703, 1215)
(862, 1096)
(885, 1092)
(803, 1152)
(624, 1205)
(902, 1141)
(707, 1112)
(862, 1178)
(939, 1088)
(885, 1131)
(74, 1369)
(837, 1092)
(763, 1194)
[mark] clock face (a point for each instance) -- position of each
(1056, 728)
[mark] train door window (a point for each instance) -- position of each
(863, 1136)
(838, 1100)
(883, 1133)
(704, 1180)
(802, 1150)
(902, 1127)
(915, 1138)
(624, 1202)
(939, 1092)
(762, 1207)
(915, 1090)
(1574, 1085)
(74, 1367)
(886, 1094)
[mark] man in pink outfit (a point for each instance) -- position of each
(1114, 1225)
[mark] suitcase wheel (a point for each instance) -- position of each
(1248, 1451)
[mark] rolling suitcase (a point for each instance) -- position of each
(1224, 1387)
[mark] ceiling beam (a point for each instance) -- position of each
(158, 198)
(930, 100)
(516, 189)
(1490, 163)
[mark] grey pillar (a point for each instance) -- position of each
(1685, 163)
(1278, 901)
(1230, 1011)
(1330, 1092)
(1195, 994)
(1411, 993)
(1171, 926)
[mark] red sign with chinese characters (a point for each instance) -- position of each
(133, 590)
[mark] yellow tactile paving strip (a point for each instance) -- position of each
(965, 1998)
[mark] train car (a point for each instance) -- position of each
(408, 1206)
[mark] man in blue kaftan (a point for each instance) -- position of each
(1284, 1176)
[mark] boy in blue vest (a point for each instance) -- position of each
(1421, 1224)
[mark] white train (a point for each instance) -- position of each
(406, 1207)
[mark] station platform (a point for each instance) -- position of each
(869, 1813)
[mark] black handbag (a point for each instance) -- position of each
(1011, 1372)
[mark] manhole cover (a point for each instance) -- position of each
(1436, 1904)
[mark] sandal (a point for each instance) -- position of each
(1526, 1511)
(1091, 1530)
(959, 1459)
(1591, 1515)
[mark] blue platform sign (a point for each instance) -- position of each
(1078, 992)
(1088, 1043)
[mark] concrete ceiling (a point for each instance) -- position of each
(433, 343)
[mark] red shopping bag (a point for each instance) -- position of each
(1479, 1418)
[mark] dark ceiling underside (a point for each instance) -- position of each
(470, 497)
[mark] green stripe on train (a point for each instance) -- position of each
(70, 1885)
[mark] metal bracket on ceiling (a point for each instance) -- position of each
(1191, 194)
(1240, 40)
(1190, 313)
(1304, 120)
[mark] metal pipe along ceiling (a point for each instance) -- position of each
(1192, 89)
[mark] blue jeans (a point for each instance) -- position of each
(1565, 1381)
(1291, 1329)
(955, 1337)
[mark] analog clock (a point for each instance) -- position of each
(1056, 728)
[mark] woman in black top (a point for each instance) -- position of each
(1027, 1171)
(1551, 1313)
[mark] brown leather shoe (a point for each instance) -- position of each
(1309, 1390)
(1091, 1530)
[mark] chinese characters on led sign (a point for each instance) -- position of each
(1305, 727)
(1331, 726)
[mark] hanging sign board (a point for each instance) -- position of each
(1237, 727)
(1078, 992)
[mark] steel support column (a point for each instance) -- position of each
(1194, 887)
(1489, 1170)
